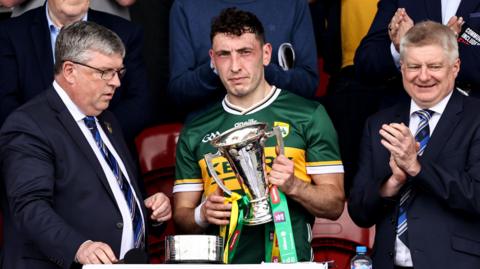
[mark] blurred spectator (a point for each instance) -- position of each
(116, 7)
(153, 16)
(194, 84)
(26, 60)
(340, 27)
(377, 58)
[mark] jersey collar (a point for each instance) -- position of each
(270, 98)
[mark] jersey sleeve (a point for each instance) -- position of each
(188, 176)
(323, 154)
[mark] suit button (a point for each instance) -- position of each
(390, 254)
(119, 225)
(392, 220)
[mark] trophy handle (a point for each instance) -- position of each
(278, 135)
(208, 159)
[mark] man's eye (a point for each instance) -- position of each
(245, 52)
(435, 67)
(413, 67)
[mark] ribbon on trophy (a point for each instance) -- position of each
(283, 242)
(239, 205)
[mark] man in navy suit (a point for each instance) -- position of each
(423, 197)
(26, 60)
(377, 57)
(70, 192)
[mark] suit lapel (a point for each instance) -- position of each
(402, 113)
(74, 131)
(41, 40)
(445, 126)
(434, 10)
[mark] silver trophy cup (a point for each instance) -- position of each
(243, 148)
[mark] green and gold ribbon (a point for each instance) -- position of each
(239, 205)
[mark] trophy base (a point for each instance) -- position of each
(257, 220)
(259, 214)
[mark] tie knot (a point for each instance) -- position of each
(424, 114)
(90, 122)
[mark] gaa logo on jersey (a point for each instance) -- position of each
(209, 137)
(279, 217)
(284, 127)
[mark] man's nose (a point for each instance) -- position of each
(424, 73)
(236, 64)
(115, 81)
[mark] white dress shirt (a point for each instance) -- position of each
(127, 232)
(403, 256)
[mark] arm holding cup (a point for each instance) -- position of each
(325, 198)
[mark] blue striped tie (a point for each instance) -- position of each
(422, 136)
(137, 223)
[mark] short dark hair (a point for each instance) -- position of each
(233, 21)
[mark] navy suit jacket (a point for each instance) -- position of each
(56, 195)
(373, 59)
(26, 66)
(444, 215)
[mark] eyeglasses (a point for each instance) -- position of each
(104, 74)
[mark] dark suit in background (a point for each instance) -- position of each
(54, 180)
(444, 216)
(373, 59)
(26, 67)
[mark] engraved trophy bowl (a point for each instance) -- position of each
(194, 248)
(243, 148)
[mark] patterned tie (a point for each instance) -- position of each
(421, 136)
(137, 223)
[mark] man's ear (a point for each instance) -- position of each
(69, 72)
(212, 62)
(456, 67)
(267, 53)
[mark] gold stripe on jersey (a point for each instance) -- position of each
(188, 181)
(338, 162)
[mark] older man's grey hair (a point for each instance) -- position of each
(76, 41)
(430, 33)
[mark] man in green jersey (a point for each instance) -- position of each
(310, 173)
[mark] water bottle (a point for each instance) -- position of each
(361, 260)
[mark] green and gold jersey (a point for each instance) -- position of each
(309, 137)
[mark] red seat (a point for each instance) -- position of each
(336, 240)
(323, 77)
(156, 150)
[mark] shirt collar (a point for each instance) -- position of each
(438, 108)
(52, 27)
(72, 108)
(266, 101)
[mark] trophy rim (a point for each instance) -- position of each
(215, 141)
